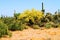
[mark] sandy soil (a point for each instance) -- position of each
(35, 34)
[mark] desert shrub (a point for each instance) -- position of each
(13, 27)
(21, 27)
(3, 29)
(48, 25)
(55, 25)
(59, 25)
(30, 16)
(41, 24)
(17, 25)
(30, 22)
(25, 26)
(35, 27)
(42, 21)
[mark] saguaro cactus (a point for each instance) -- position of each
(43, 8)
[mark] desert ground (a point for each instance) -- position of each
(35, 34)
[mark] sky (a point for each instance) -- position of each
(7, 7)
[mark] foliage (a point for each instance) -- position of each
(48, 25)
(16, 15)
(55, 25)
(29, 18)
(35, 27)
(15, 25)
(3, 29)
(31, 15)
(25, 26)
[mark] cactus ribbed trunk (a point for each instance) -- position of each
(43, 8)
